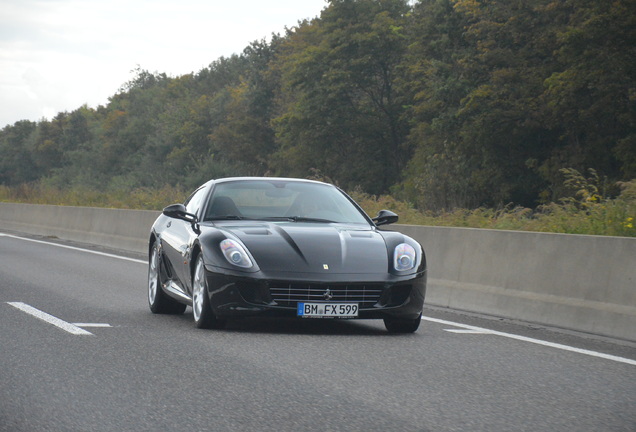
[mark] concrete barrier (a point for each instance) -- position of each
(115, 228)
(578, 282)
(583, 283)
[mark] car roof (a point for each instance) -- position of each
(234, 179)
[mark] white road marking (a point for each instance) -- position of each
(68, 327)
(92, 325)
(466, 331)
(75, 248)
(534, 341)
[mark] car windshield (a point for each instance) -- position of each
(280, 200)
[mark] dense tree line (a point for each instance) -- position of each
(443, 103)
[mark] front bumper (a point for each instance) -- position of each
(378, 296)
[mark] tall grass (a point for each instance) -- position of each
(138, 198)
(612, 218)
(590, 214)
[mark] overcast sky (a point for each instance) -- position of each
(56, 55)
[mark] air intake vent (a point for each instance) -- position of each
(288, 294)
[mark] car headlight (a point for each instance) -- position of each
(404, 257)
(235, 253)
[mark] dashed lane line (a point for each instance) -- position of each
(467, 331)
(67, 327)
(100, 325)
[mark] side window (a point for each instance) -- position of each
(193, 204)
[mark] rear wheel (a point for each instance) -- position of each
(399, 325)
(158, 301)
(203, 315)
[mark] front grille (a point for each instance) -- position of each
(288, 294)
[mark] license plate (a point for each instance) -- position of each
(327, 310)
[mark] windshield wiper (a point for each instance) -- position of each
(308, 219)
(226, 217)
(297, 219)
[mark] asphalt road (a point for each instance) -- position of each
(135, 371)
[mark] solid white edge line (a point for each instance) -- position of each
(535, 341)
(68, 327)
(75, 248)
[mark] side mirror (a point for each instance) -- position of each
(178, 211)
(385, 217)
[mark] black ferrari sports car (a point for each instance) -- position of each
(282, 247)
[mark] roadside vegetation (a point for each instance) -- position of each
(586, 215)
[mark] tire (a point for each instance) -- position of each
(158, 301)
(399, 325)
(203, 315)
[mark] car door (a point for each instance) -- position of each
(178, 237)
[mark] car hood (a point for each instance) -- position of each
(313, 248)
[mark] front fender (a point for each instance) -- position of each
(209, 244)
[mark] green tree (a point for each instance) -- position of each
(439, 174)
(591, 96)
(342, 112)
(16, 164)
(245, 136)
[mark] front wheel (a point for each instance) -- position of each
(400, 325)
(158, 301)
(203, 315)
